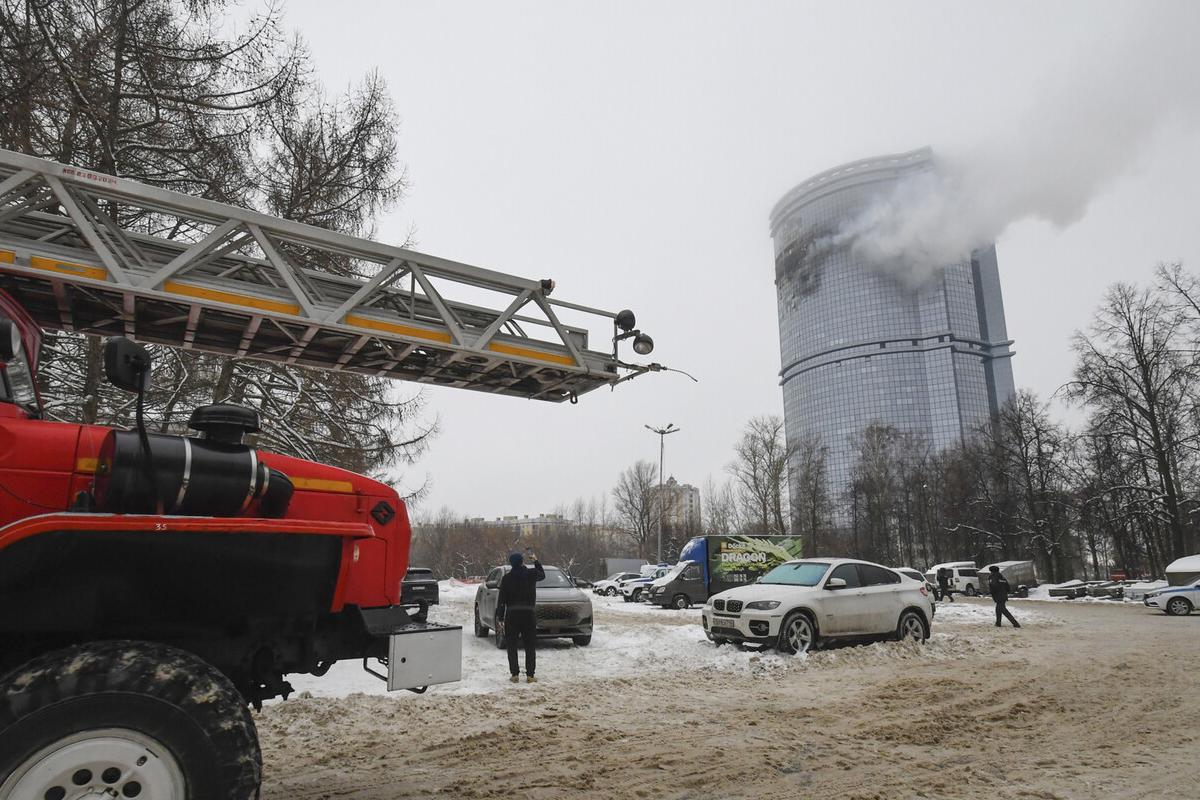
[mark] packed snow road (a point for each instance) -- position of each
(1083, 701)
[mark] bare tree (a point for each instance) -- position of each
(1133, 364)
(633, 502)
(162, 92)
(722, 515)
(760, 468)
(810, 500)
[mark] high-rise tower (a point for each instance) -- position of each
(859, 346)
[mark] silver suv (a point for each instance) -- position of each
(563, 611)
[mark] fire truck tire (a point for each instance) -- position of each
(125, 718)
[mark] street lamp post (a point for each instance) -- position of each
(662, 434)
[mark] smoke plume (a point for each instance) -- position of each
(1082, 129)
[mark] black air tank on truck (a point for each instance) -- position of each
(711, 564)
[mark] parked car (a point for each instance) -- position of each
(802, 603)
(608, 586)
(916, 575)
(419, 590)
(563, 611)
(711, 564)
(633, 589)
(964, 577)
(1178, 601)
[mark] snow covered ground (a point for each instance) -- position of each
(632, 639)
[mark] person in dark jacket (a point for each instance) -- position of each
(1000, 589)
(516, 606)
(943, 579)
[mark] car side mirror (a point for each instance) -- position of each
(835, 583)
(10, 340)
(127, 364)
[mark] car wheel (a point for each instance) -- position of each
(611, 591)
(636, 596)
(970, 591)
(1179, 607)
(911, 626)
(582, 641)
(681, 602)
(500, 643)
(481, 630)
(125, 719)
(798, 634)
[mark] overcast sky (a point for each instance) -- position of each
(633, 150)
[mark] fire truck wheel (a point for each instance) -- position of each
(127, 719)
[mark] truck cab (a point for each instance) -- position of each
(682, 587)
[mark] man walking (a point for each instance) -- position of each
(943, 579)
(1000, 589)
(515, 605)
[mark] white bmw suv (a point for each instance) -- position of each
(800, 603)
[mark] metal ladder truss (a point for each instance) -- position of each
(89, 252)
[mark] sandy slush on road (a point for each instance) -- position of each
(1076, 704)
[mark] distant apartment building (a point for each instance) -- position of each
(860, 347)
(523, 525)
(680, 505)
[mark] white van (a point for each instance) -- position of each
(964, 576)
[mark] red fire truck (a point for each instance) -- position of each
(154, 586)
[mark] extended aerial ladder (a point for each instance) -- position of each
(92, 253)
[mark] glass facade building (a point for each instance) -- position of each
(859, 346)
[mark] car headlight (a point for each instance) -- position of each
(762, 605)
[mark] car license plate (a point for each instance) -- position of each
(724, 622)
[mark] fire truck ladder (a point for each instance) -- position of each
(92, 253)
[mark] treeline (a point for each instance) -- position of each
(454, 547)
(1120, 492)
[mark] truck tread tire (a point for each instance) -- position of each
(481, 630)
(169, 696)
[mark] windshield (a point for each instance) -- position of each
(555, 579)
(797, 573)
(675, 570)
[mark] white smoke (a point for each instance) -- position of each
(1083, 128)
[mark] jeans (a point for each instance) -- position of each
(521, 623)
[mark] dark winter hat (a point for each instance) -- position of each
(515, 559)
(995, 569)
